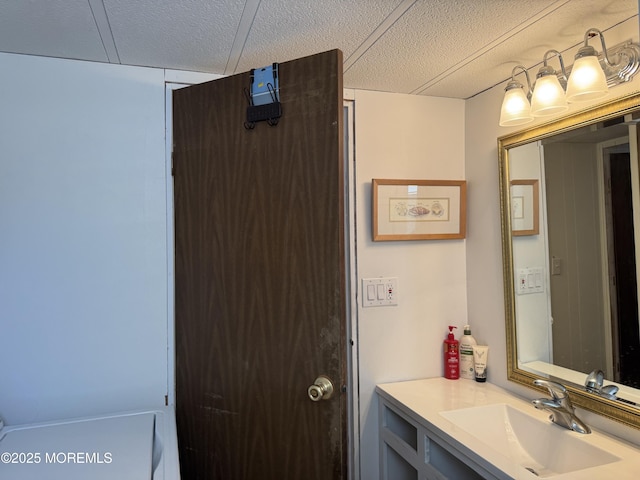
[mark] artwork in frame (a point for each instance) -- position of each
(525, 217)
(419, 209)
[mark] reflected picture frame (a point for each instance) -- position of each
(418, 209)
(525, 215)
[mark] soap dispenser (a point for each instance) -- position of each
(466, 354)
(451, 356)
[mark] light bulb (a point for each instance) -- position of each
(548, 96)
(587, 80)
(515, 108)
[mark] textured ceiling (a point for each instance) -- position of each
(448, 48)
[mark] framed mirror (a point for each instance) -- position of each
(570, 214)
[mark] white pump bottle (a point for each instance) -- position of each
(466, 354)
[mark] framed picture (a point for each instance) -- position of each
(525, 218)
(419, 209)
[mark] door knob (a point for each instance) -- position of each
(322, 389)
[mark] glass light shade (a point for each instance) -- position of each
(548, 97)
(587, 80)
(515, 108)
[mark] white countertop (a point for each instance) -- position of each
(423, 400)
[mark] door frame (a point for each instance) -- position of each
(173, 80)
(177, 80)
(603, 152)
(628, 146)
(353, 366)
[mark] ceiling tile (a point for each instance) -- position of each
(56, 28)
(284, 30)
(195, 35)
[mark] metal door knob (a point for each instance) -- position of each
(322, 389)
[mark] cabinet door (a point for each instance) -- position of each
(408, 451)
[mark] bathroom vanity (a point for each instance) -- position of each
(460, 429)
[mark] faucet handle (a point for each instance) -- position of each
(556, 390)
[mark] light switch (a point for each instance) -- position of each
(380, 291)
(556, 266)
(371, 292)
(538, 275)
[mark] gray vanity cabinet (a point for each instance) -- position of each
(412, 450)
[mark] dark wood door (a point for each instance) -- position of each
(626, 331)
(260, 278)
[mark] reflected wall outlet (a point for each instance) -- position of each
(378, 292)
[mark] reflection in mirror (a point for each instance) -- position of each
(571, 286)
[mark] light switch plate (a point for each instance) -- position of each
(378, 292)
(530, 280)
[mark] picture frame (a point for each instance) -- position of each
(418, 209)
(525, 215)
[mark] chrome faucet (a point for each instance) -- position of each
(595, 384)
(560, 407)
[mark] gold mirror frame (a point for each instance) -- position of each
(611, 409)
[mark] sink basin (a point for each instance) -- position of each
(537, 445)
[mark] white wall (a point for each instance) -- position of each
(83, 255)
(533, 319)
(485, 297)
(405, 137)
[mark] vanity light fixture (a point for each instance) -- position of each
(515, 106)
(589, 79)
